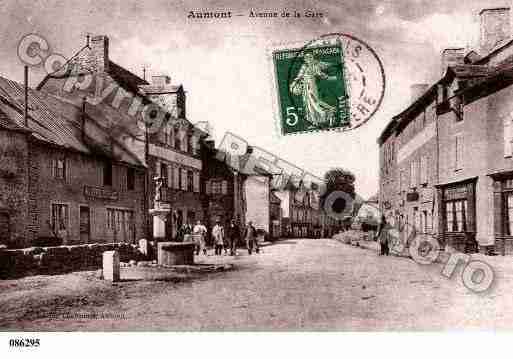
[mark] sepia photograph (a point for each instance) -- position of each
(267, 166)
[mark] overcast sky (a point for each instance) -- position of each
(224, 67)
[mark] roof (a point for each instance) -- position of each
(158, 90)
(76, 66)
(456, 71)
(56, 122)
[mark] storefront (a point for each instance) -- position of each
(503, 212)
(457, 219)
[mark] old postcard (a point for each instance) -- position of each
(255, 166)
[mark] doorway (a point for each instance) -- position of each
(85, 224)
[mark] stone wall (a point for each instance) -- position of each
(13, 187)
(61, 259)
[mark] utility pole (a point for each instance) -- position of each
(25, 108)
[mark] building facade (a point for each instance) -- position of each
(65, 179)
(149, 119)
(445, 161)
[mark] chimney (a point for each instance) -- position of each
(100, 53)
(418, 90)
(160, 80)
(495, 28)
(452, 56)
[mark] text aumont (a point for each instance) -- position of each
(193, 14)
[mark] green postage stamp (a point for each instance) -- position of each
(311, 88)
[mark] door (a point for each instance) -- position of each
(4, 228)
(85, 224)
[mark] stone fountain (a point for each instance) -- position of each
(168, 252)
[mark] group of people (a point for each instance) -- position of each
(223, 240)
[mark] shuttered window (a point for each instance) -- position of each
(196, 182)
(59, 168)
(508, 131)
(170, 178)
(176, 177)
(183, 179)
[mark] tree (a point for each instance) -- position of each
(338, 179)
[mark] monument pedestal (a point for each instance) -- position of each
(175, 253)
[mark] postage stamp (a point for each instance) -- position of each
(311, 88)
(335, 82)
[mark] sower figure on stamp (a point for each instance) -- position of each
(201, 231)
(305, 84)
(233, 237)
(218, 235)
(250, 236)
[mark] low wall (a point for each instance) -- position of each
(50, 260)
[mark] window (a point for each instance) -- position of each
(458, 152)
(508, 136)
(196, 181)
(509, 214)
(59, 168)
(176, 177)
(456, 215)
(423, 170)
(130, 179)
(413, 174)
(171, 136)
(196, 145)
(183, 180)
(107, 173)
(215, 187)
(178, 142)
(110, 219)
(190, 181)
(166, 135)
(163, 172)
(224, 187)
(60, 217)
(190, 142)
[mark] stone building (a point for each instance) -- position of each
(64, 179)
(149, 119)
(446, 160)
(302, 215)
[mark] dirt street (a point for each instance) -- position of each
(297, 284)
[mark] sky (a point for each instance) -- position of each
(224, 65)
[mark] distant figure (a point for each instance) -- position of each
(382, 237)
(250, 236)
(233, 237)
(201, 231)
(184, 229)
(159, 182)
(218, 235)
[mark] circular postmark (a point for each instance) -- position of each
(334, 82)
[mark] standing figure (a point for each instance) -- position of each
(201, 231)
(233, 237)
(218, 235)
(382, 237)
(250, 236)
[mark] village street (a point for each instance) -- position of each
(295, 284)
